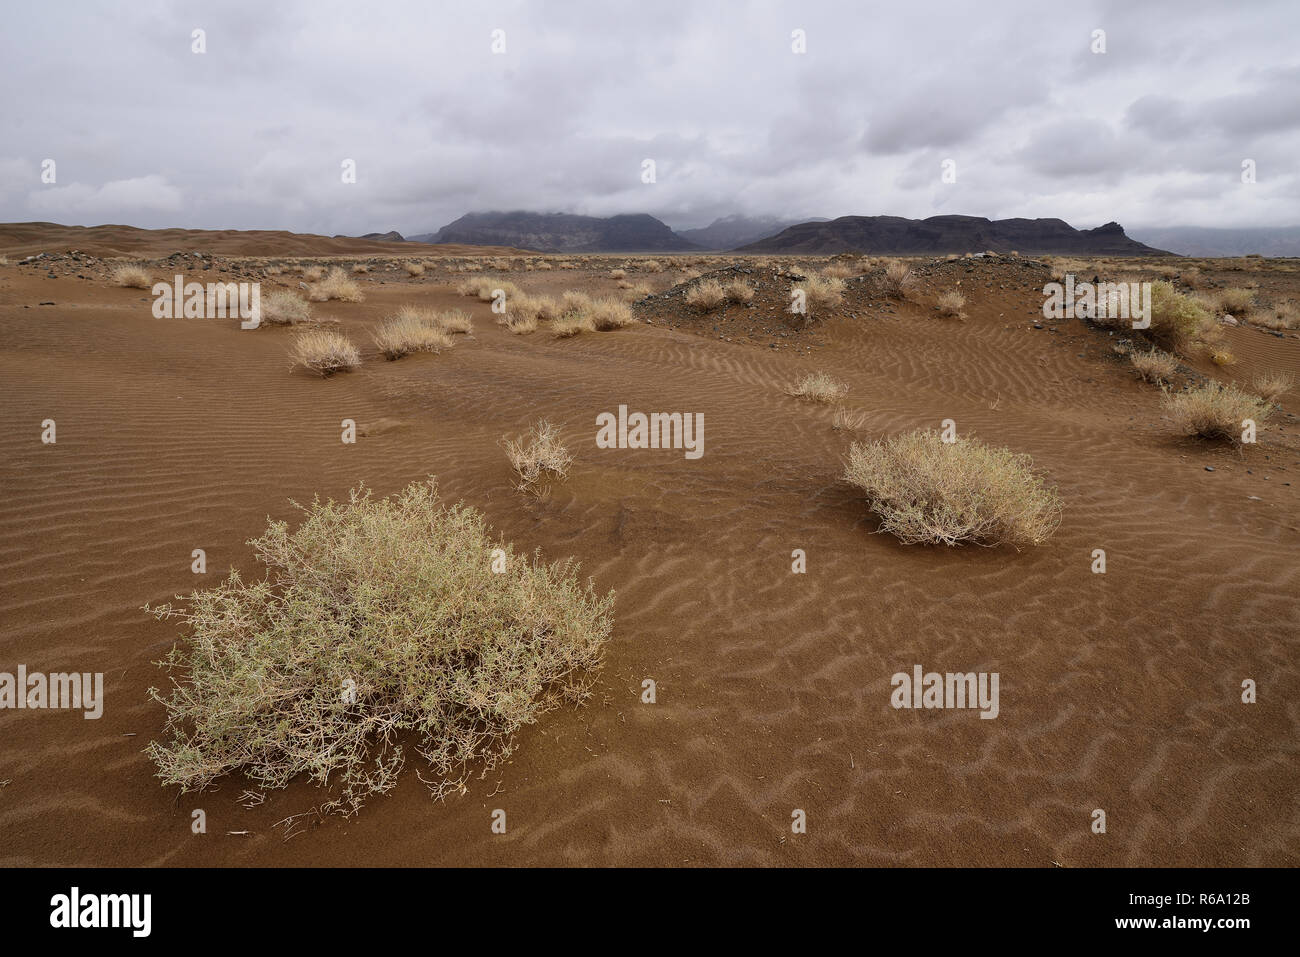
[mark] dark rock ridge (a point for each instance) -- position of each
(940, 235)
(564, 232)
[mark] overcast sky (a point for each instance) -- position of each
(252, 133)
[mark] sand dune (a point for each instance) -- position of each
(1119, 691)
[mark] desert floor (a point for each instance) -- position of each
(1119, 691)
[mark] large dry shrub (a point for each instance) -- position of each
(823, 292)
(410, 332)
(131, 277)
(1177, 319)
(1214, 410)
(324, 352)
(281, 307)
(335, 285)
(706, 295)
(929, 491)
(1152, 365)
(377, 621)
(606, 314)
(897, 280)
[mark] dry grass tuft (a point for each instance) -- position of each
(1153, 365)
(1235, 301)
(927, 491)
(706, 295)
(377, 621)
(572, 324)
(336, 285)
(1222, 357)
(1271, 386)
(324, 352)
(538, 453)
(131, 277)
(740, 291)
(818, 387)
(898, 279)
(618, 274)
(846, 421)
(951, 303)
(607, 314)
(411, 330)
(283, 308)
(1214, 410)
(1177, 319)
(1279, 318)
(414, 269)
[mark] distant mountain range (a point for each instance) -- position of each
(871, 235)
(730, 232)
(563, 233)
(940, 235)
(1205, 241)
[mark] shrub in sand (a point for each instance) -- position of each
(324, 352)
(1222, 357)
(336, 285)
(1153, 365)
(283, 308)
(1236, 301)
(572, 324)
(403, 334)
(360, 269)
(846, 421)
(818, 387)
(1283, 315)
(706, 295)
(897, 279)
(572, 301)
(414, 269)
(454, 321)
(740, 291)
(313, 273)
(131, 277)
(1214, 410)
(1177, 319)
(928, 491)
(822, 292)
(521, 324)
(396, 603)
(618, 274)
(652, 265)
(837, 271)
(607, 314)
(538, 453)
(950, 303)
(1272, 386)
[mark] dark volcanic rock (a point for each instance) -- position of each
(564, 232)
(940, 235)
